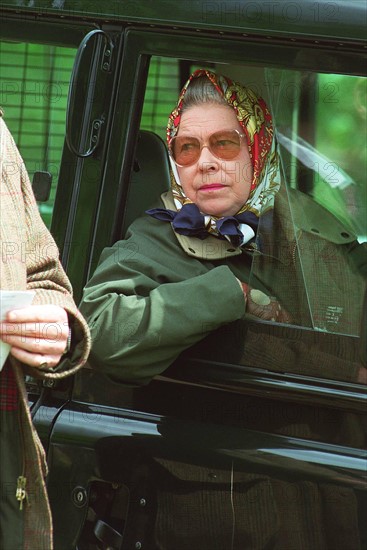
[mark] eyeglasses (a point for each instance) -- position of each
(224, 145)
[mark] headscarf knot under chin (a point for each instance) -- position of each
(191, 222)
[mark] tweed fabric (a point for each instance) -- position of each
(29, 261)
(8, 390)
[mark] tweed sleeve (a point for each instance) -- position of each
(44, 273)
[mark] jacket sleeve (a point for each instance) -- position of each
(45, 274)
(144, 308)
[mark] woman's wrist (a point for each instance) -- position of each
(244, 287)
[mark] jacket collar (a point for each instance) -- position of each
(210, 248)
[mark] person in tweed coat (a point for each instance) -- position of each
(48, 339)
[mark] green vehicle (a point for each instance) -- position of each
(256, 437)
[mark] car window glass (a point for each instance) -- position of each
(311, 252)
(321, 127)
(342, 140)
(323, 234)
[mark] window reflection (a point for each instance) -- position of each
(311, 256)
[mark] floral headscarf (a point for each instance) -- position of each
(255, 119)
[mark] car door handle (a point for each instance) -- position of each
(106, 66)
(109, 537)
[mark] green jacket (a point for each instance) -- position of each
(147, 302)
(157, 293)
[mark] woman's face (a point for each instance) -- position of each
(218, 187)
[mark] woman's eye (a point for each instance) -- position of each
(187, 146)
(224, 143)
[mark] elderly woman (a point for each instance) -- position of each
(183, 270)
(220, 245)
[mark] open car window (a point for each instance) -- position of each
(310, 253)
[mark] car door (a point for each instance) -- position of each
(260, 420)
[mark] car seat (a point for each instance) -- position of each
(149, 179)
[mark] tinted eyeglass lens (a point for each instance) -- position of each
(185, 150)
(225, 145)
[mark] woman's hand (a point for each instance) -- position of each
(38, 335)
(264, 307)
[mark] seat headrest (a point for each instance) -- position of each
(150, 176)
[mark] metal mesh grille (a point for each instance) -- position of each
(34, 87)
(33, 94)
(161, 94)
